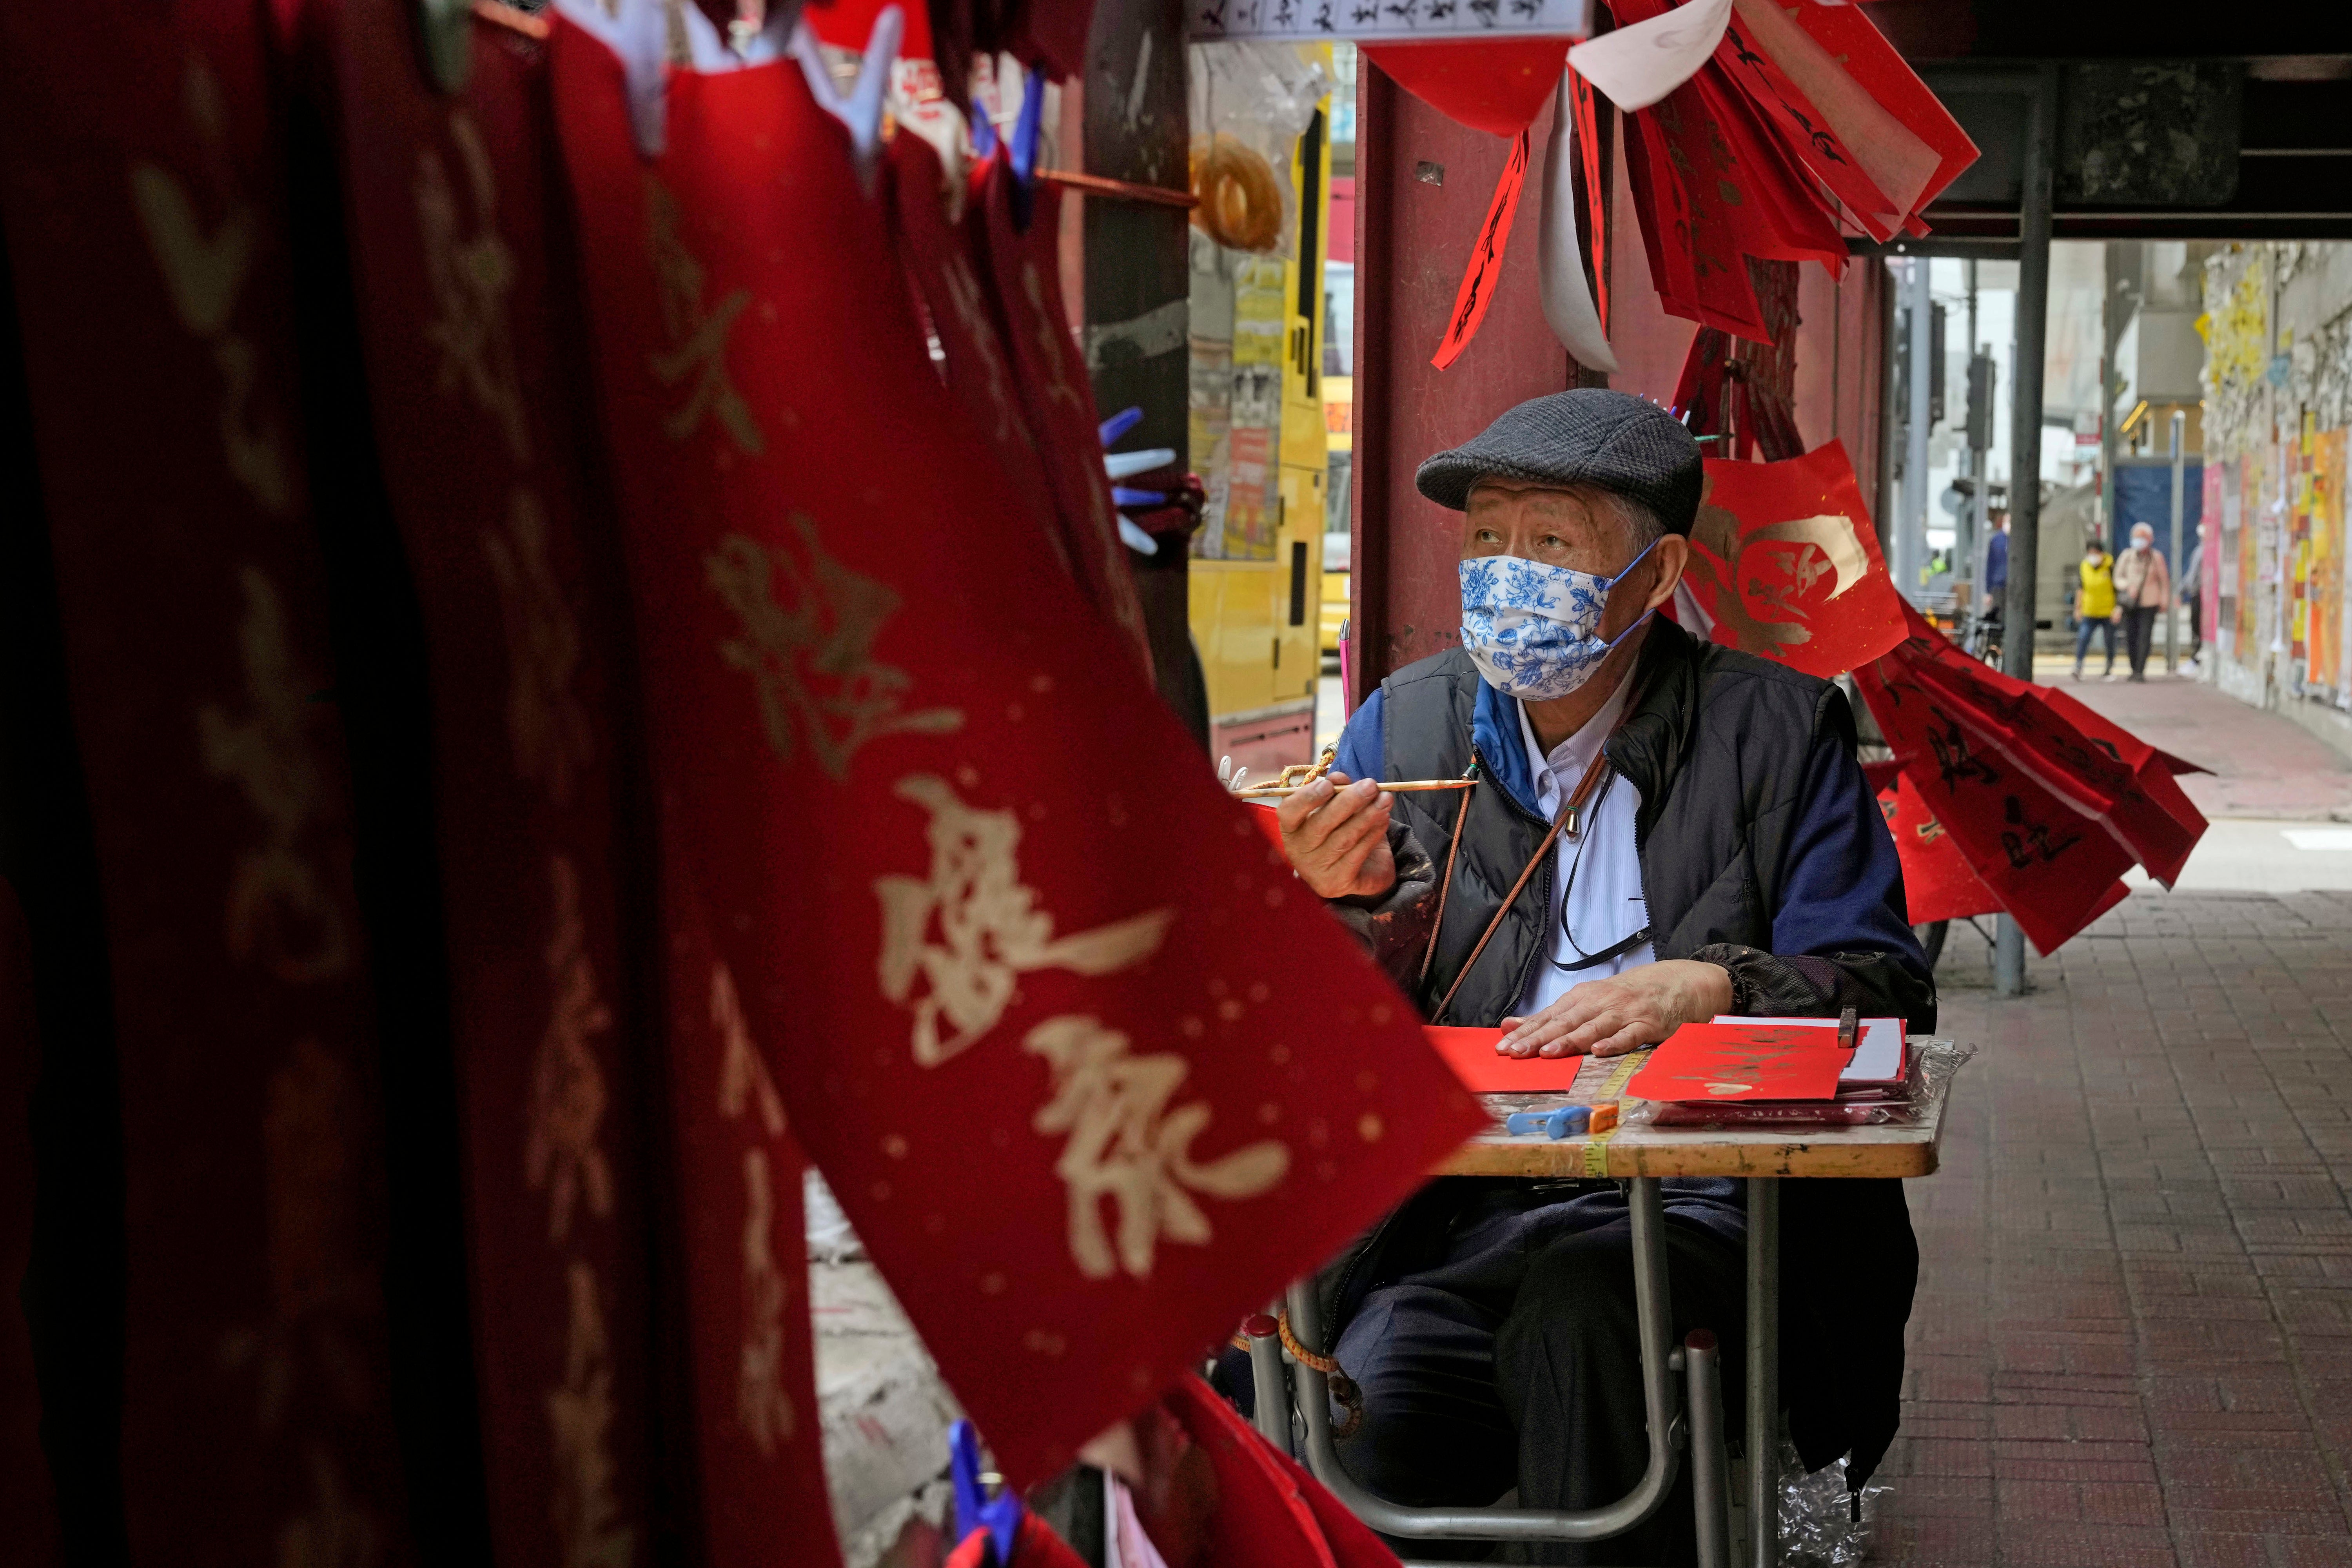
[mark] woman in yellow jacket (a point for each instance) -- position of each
(2095, 604)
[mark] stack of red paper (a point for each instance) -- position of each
(1773, 1068)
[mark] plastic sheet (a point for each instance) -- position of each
(1932, 1067)
(1823, 1523)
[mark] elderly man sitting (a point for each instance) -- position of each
(1688, 833)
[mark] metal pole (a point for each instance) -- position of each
(2172, 600)
(1913, 558)
(1969, 523)
(1710, 1493)
(1763, 1372)
(1270, 1386)
(2026, 444)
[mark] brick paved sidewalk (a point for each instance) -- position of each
(2133, 1340)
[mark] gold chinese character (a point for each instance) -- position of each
(698, 338)
(580, 1417)
(545, 721)
(1126, 1145)
(470, 277)
(562, 1155)
(744, 1080)
(205, 273)
(760, 1402)
(278, 907)
(811, 652)
(990, 929)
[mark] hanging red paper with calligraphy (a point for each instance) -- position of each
(1785, 562)
(1086, 1067)
(455, 273)
(144, 203)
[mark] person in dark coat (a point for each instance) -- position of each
(1729, 858)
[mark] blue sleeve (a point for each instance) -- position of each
(1843, 888)
(1362, 752)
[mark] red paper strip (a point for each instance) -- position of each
(1872, 62)
(1710, 1063)
(1485, 271)
(1596, 197)
(2049, 862)
(1496, 85)
(1785, 562)
(147, 236)
(1938, 884)
(1470, 1052)
(1024, 267)
(949, 266)
(1088, 1072)
(1816, 138)
(455, 265)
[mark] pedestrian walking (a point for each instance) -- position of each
(2195, 600)
(2095, 604)
(2143, 589)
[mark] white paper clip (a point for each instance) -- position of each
(861, 111)
(643, 33)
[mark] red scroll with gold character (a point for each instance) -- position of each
(455, 262)
(1088, 1068)
(1785, 564)
(147, 238)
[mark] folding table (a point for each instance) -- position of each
(1641, 1156)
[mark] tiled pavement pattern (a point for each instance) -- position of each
(2133, 1340)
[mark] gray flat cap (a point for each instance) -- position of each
(1610, 440)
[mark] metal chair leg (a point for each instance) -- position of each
(1271, 1401)
(1711, 1464)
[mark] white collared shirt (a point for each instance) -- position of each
(1596, 875)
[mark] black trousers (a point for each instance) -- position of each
(1517, 1362)
(2140, 631)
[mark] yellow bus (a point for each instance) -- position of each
(1259, 444)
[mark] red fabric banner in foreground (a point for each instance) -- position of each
(1785, 563)
(1089, 1071)
(457, 278)
(146, 231)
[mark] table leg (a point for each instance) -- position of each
(1763, 1372)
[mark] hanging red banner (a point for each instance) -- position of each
(1496, 85)
(1485, 271)
(1087, 1070)
(1938, 884)
(2136, 801)
(2051, 863)
(1050, 374)
(147, 234)
(467, 347)
(1785, 563)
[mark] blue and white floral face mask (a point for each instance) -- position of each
(1533, 630)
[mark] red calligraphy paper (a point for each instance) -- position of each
(1785, 563)
(2049, 862)
(1588, 146)
(1089, 1072)
(517, 578)
(948, 262)
(1855, 42)
(1485, 271)
(1051, 377)
(1938, 884)
(147, 234)
(2136, 800)
(1470, 1052)
(1708, 1062)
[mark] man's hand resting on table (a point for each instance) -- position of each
(1336, 834)
(1625, 1012)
